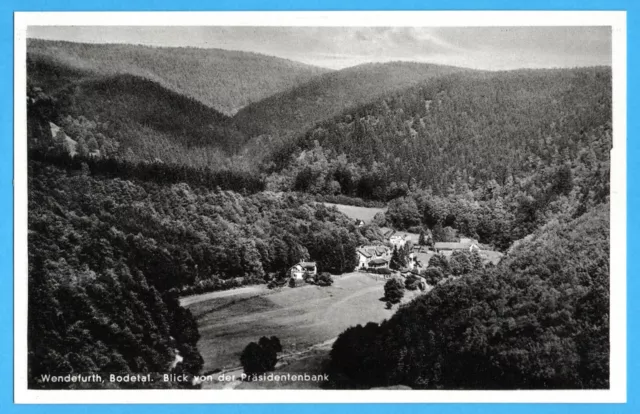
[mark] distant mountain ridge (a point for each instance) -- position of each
(221, 79)
(329, 94)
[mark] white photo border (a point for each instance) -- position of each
(617, 20)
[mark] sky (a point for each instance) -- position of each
(490, 48)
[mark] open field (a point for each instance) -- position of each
(301, 317)
(365, 214)
(241, 292)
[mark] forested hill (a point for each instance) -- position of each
(540, 320)
(492, 155)
(133, 118)
(108, 257)
(467, 128)
(221, 79)
(328, 95)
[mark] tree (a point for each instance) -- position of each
(460, 263)
(563, 180)
(438, 233)
(440, 262)
(433, 275)
(81, 147)
(257, 359)
(403, 213)
(272, 343)
(395, 262)
(476, 260)
(403, 254)
(92, 144)
(393, 291)
(422, 241)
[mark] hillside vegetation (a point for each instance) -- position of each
(167, 196)
(494, 156)
(136, 119)
(221, 79)
(327, 95)
(104, 249)
(537, 321)
(470, 128)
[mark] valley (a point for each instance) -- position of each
(213, 202)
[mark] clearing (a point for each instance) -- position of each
(301, 317)
(365, 214)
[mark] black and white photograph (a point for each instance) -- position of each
(318, 207)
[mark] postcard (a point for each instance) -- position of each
(218, 207)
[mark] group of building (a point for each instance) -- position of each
(379, 256)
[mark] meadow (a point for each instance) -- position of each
(365, 214)
(301, 317)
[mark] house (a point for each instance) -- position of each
(368, 253)
(299, 271)
(378, 263)
(413, 262)
(469, 246)
(398, 241)
(387, 232)
(359, 223)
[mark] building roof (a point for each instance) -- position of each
(364, 252)
(387, 232)
(304, 265)
(378, 261)
(369, 251)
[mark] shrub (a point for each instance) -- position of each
(412, 282)
(324, 279)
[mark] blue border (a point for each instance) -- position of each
(7, 7)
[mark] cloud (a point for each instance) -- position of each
(492, 48)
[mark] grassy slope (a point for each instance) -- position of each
(330, 94)
(300, 317)
(365, 214)
(222, 79)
